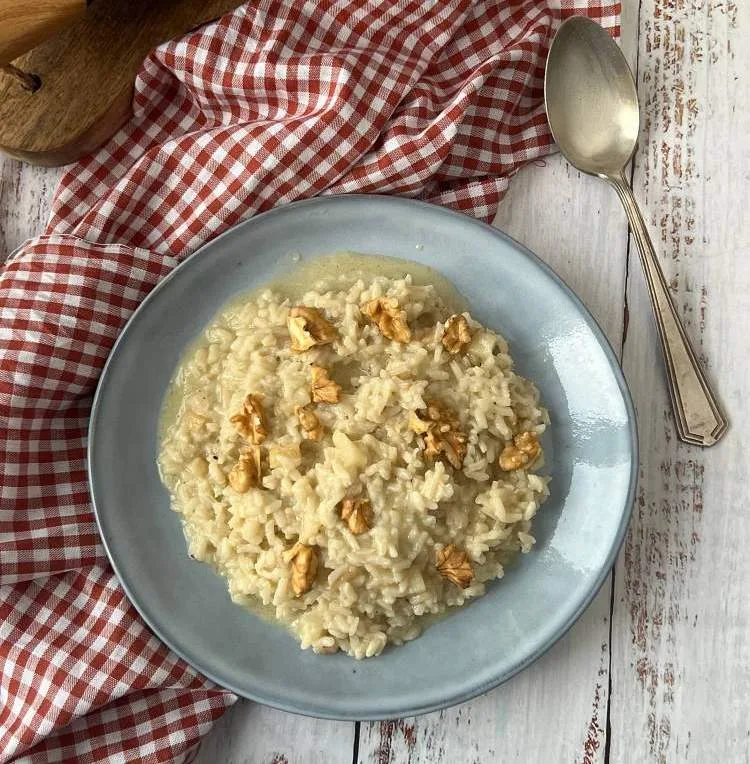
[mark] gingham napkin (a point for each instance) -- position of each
(279, 100)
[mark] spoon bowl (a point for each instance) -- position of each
(591, 98)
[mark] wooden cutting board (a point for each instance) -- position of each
(86, 74)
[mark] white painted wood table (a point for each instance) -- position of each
(658, 668)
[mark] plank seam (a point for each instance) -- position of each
(355, 744)
(625, 322)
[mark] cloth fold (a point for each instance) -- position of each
(276, 101)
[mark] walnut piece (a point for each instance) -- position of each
(453, 564)
(390, 319)
(312, 429)
(456, 335)
(323, 388)
(438, 427)
(357, 514)
(251, 421)
(452, 444)
(304, 562)
(308, 328)
(524, 450)
(246, 472)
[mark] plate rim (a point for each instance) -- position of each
(475, 689)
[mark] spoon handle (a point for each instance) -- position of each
(698, 416)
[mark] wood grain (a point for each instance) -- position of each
(565, 691)
(253, 734)
(87, 73)
(681, 661)
(26, 23)
(25, 195)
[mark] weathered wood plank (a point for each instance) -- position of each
(555, 711)
(253, 734)
(681, 661)
(25, 194)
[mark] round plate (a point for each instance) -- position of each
(590, 452)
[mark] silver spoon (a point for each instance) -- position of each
(592, 107)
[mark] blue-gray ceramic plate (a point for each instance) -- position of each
(590, 451)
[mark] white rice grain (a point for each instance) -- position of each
(378, 587)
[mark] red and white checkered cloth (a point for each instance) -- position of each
(437, 99)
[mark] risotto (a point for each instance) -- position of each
(353, 461)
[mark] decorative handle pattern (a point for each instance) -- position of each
(698, 416)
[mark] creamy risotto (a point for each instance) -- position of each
(354, 461)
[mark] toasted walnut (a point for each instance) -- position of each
(452, 564)
(312, 429)
(452, 444)
(456, 335)
(251, 421)
(357, 514)
(391, 320)
(308, 328)
(323, 388)
(246, 472)
(524, 450)
(304, 562)
(439, 427)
